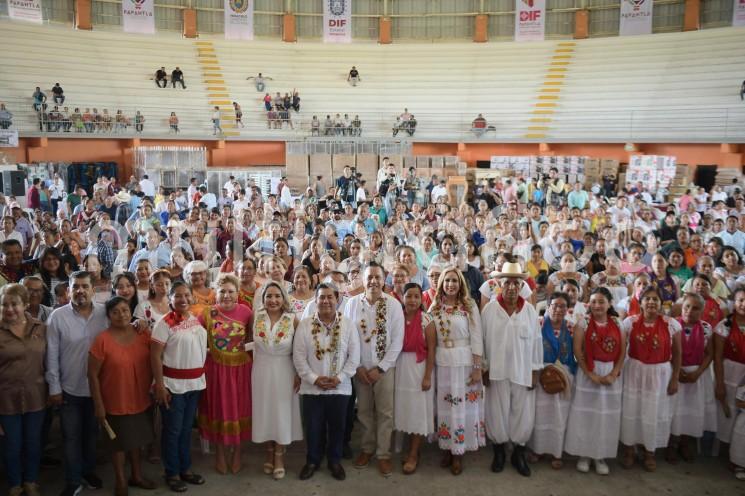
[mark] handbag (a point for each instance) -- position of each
(553, 380)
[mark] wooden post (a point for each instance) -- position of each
(190, 23)
(691, 17)
(581, 24)
(83, 14)
(481, 30)
(384, 37)
(289, 34)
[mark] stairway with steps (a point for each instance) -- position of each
(218, 93)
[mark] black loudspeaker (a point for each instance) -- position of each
(13, 183)
(483, 164)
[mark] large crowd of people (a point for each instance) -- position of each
(541, 318)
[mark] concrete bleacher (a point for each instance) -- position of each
(101, 69)
(673, 87)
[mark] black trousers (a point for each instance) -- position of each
(179, 81)
(325, 418)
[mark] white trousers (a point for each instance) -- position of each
(510, 412)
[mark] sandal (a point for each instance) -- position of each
(650, 464)
(533, 457)
(193, 478)
(457, 467)
(410, 465)
(279, 472)
(556, 463)
(176, 485)
(269, 465)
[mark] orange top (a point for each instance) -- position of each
(125, 375)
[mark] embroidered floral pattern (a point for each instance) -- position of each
(443, 432)
(282, 328)
(441, 313)
(453, 400)
(459, 436)
(474, 395)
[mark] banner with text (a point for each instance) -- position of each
(239, 19)
(738, 13)
(636, 17)
(530, 20)
(337, 21)
(138, 16)
(8, 139)
(25, 10)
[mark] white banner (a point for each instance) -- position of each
(8, 139)
(530, 20)
(239, 19)
(738, 13)
(25, 10)
(636, 17)
(337, 21)
(138, 16)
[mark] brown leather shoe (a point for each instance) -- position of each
(363, 460)
(385, 467)
(457, 467)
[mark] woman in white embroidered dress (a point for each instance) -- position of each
(413, 401)
(274, 387)
(460, 395)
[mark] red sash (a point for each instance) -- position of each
(414, 341)
(650, 345)
(694, 344)
(734, 347)
(602, 343)
(712, 312)
(183, 373)
(634, 307)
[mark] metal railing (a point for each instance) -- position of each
(689, 124)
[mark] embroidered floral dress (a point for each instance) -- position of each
(460, 408)
(276, 405)
(225, 408)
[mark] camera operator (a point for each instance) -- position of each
(346, 187)
(554, 188)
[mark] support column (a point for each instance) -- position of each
(581, 24)
(731, 156)
(691, 17)
(83, 14)
(289, 34)
(190, 23)
(384, 38)
(481, 30)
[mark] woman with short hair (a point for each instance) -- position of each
(23, 390)
(120, 377)
(225, 408)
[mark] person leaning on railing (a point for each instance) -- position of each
(6, 117)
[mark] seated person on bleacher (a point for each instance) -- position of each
(356, 126)
(177, 76)
(478, 126)
(160, 75)
(6, 117)
(328, 126)
(315, 126)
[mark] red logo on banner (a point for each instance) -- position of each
(530, 15)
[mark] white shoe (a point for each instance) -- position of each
(740, 474)
(583, 465)
(601, 468)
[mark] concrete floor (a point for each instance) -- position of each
(706, 477)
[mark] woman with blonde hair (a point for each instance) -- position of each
(274, 383)
(460, 397)
(225, 408)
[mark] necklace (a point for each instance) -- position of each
(445, 325)
(379, 330)
(333, 345)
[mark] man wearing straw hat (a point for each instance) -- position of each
(513, 356)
